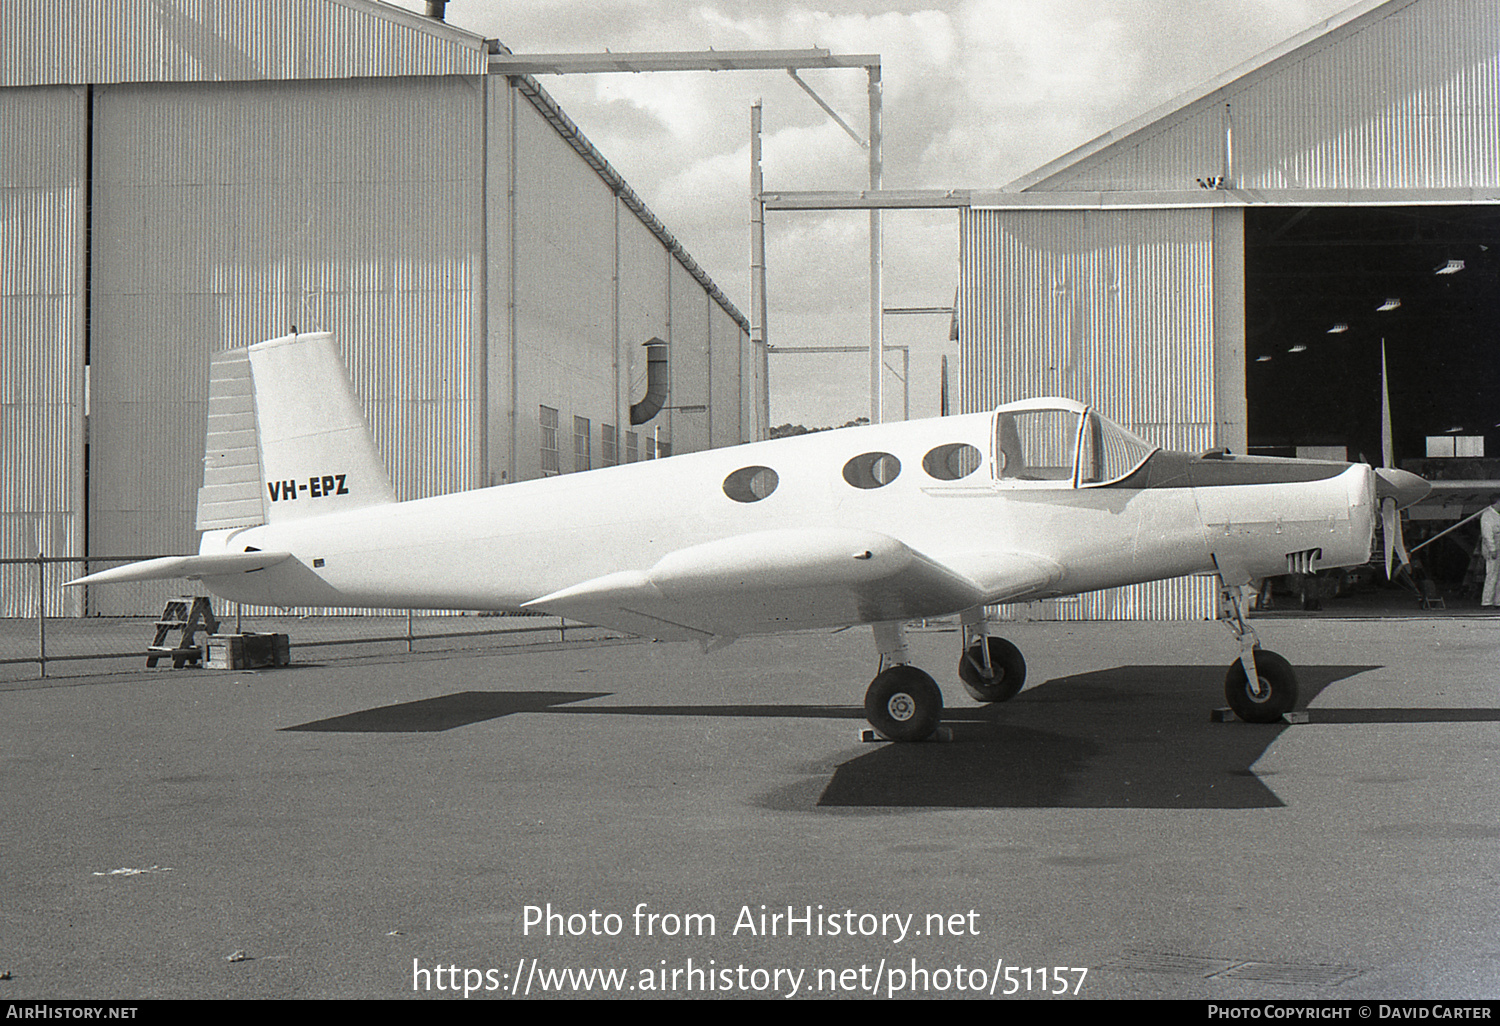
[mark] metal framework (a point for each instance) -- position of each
(791, 61)
(674, 60)
(928, 199)
(905, 352)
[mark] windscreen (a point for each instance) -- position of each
(1110, 452)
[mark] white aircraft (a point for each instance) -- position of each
(875, 525)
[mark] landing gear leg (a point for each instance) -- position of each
(992, 669)
(1260, 686)
(902, 703)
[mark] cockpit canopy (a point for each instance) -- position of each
(1062, 441)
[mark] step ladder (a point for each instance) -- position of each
(178, 616)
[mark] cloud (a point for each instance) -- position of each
(975, 94)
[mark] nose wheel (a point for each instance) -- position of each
(1272, 696)
(1260, 686)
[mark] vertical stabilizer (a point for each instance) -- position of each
(316, 454)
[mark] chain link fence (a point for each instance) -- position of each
(44, 635)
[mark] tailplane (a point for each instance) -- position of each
(286, 437)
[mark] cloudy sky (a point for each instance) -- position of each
(976, 94)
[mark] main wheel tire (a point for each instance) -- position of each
(1009, 671)
(904, 704)
(1278, 689)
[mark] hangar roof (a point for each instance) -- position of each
(1400, 95)
(43, 42)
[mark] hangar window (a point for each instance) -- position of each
(952, 462)
(582, 451)
(551, 464)
(609, 444)
(872, 470)
(751, 484)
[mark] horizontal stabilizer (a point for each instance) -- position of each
(165, 568)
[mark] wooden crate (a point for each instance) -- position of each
(246, 651)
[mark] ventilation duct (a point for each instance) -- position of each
(435, 8)
(656, 383)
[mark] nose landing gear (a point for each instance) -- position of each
(1260, 686)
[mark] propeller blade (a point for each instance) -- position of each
(1395, 489)
(1395, 544)
(1390, 524)
(1387, 441)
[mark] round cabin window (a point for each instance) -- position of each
(952, 462)
(872, 470)
(751, 484)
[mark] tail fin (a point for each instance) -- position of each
(312, 449)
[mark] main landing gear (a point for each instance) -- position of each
(1260, 686)
(905, 704)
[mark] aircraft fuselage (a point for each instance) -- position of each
(499, 548)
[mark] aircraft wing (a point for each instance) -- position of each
(778, 580)
(216, 564)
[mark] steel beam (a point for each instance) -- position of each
(674, 60)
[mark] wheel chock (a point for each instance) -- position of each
(868, 736)
(1226, 715)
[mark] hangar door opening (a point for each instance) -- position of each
(1325, 288)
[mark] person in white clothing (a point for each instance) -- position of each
(1489, 547)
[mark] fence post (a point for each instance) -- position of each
(408, 631)
(41, 613)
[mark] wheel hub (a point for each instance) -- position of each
(901, 706)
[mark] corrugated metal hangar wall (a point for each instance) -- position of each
(1116, 274)
(178, 179)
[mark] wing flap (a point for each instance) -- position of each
(1012, 576)
(165, 568)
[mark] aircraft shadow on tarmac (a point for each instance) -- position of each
(1128, 737)
(446, 711)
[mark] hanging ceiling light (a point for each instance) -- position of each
(1298, 348)
(1388, 305)
(1451, 267)
(1263, 359)
(1338, 329)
